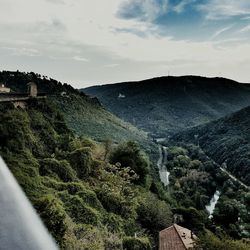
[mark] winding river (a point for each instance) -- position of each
(164, 173)
(210, 208)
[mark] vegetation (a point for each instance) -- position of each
(226, 141)
(105, 193)
(83, 115)
(211, 242)
(166, 105)
(88, 198)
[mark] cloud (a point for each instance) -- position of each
(144, 10)
(180, 7)
(56, 1)
(224, 9)
(79, 58)
(87, 42)
(221, 31)
(245, 29)
(22, 51)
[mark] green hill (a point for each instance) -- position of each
(98, 195)
(84, 115)
(85, 200)
(165, 105)
(226, 140)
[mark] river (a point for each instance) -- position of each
(164, 173)
(210, 208)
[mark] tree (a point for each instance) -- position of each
(130, 155)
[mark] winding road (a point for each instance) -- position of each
(234, 178)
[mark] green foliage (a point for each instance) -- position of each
(81, 161)
(85, 202)
(58, 169)
(154, 214)
(226, 213)
(131, 243)
(79, 210)
(166, 105)
(130, 155)
(191, 218)
(53, 214)
(211, 242)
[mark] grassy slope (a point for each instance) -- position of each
(84, 115)
(85, 202)
(169, 104)
(226, 139)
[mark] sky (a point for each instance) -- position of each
(88, 42)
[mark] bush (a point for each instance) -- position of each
(130, 155)
(154, 214)
(81, 161)
(79, 210)
(131, 243)
(55, 168)
(53, 215)
(211, 242)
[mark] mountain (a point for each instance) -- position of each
(166, 105)
(84, 115)
(99, 195)
(226, 140)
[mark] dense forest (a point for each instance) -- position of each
(166, 105)
(226, 140)
(98, 192)
(86, 198)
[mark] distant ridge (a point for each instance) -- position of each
(166, 105)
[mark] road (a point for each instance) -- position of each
(234, 178)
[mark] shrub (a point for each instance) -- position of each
(79, 210)
(55, 168)
(154, 214)
(81, 161)
(131, 243)
(210, 242)
(53, 215)
(130, 155)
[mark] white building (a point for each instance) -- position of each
(3, 89)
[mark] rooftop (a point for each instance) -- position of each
(176, 237)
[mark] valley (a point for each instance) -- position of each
(97, 179)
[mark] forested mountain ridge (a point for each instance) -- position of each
(226, 140)
(165, 105)
(84, 115)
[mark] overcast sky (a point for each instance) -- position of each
(87, 42)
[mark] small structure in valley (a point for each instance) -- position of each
(176, 237)
(4, 89)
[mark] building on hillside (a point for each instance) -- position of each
(32, 89)
(21, 99)
(176, 237)
(4, 89)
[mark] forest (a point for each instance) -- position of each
(99, 194)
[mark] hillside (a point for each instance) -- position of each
(85, 200)
(165, 105)
(84, 115)
(99, 195)
(226, 140)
